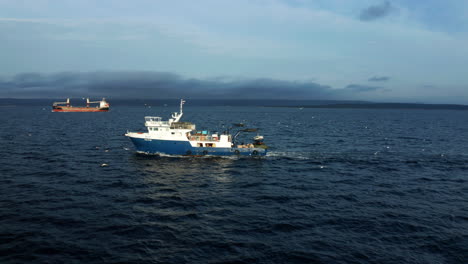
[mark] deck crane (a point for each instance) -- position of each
(59, 103)
(101, 103)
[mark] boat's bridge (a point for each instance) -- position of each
(155, 121)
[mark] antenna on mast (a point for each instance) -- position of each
(182, 101)
(176, 116)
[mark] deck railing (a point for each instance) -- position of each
(183, 125)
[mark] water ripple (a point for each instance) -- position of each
(346, 186)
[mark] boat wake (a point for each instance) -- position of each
(162, 155)
(291, 155)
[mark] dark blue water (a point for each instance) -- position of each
(338, 186)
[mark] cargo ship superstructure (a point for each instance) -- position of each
(67, 107)
(173, 137)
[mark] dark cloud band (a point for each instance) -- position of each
(146, 84)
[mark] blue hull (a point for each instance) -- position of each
(184, 148)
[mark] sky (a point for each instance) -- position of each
(377, 50)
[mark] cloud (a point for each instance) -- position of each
(168, 85)
(379, 79)
(148, 84)
(376, 11)
(362, 88)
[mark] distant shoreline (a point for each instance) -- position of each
(407, 106)
(324, 104)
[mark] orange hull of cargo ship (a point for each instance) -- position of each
(66, 107)
(79, 109)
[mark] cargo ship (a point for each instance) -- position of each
(173, 137)
(66, 107)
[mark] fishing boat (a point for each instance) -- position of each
(173, 137)
(67, 107)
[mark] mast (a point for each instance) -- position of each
(182, 101)
(176, 116)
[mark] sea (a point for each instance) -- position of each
(337, 186)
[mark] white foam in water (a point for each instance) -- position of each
(188, 157)
(293, 155)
